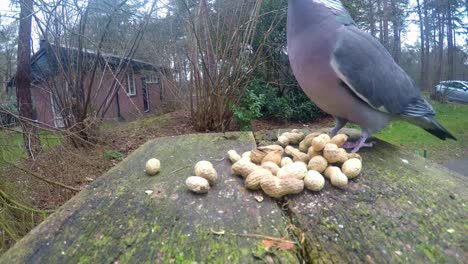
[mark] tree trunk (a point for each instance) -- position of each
(427, 32)
(422, 73)
(210, 56)
(450, 47)
(380, 14)
(23, 81)
(371, 17)
(396, 51)
(385, 24)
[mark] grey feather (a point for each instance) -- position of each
(371, 73)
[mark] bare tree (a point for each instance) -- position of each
(23, 80)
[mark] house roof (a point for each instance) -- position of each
(50, 58)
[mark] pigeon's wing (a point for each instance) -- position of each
(367, 69)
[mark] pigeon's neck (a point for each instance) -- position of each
(333, 5)
(303, 14)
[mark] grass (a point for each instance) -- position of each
(454, 117)
(12, 144)
(16, 222)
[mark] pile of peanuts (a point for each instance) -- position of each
(282, 169)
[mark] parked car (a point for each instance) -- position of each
(454, 90)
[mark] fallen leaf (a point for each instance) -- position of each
(269, 243)
(148, 192)
(286, 246)
(451, 230)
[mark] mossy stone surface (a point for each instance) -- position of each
(401, 209)
(115, 221)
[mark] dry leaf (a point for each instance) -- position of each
(269, 243)
(286, 246)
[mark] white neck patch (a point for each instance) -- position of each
(332, 4)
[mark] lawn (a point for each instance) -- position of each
(453, 116)
(12, 144)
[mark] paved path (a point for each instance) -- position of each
(460, 166)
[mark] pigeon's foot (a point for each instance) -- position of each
(361, 142)
(340, 123)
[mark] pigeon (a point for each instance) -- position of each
(348, 74)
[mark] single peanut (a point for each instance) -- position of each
(246, 155)
(276, 187)
(308, 139)
(272, 148)
(319, 142)
(271, 166)
(303, 147)
(233, 156)
(296, 154)
(318, 163)
(152, 166)
(283, 140)
(312, 153)
(314, 181)
(339, 180)
(294, 137)
(354, 156)
(274, 156)
(296, 170)
(352, 167)
(197, 184)
(331, 170)
(285, 161)
(334, 154)
(339, 140)
(206, 170)
(243, 167)
(257, 155)
(254, 178)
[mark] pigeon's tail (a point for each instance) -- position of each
(436, 129)
(421, 113)
(431, 125)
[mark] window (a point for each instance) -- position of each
(131, 83)
(456, 85)
(151, 77)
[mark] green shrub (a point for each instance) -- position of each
(249, 109)
(291, 105)
(113, 155)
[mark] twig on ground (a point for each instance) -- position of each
(37, 176)
(22, 206)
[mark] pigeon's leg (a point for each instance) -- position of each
(361, 142)
(340, 123)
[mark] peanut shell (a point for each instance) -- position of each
(314, 181)
(206, 170)
(276, 188)
(352, 167)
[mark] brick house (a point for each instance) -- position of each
(140, 87)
